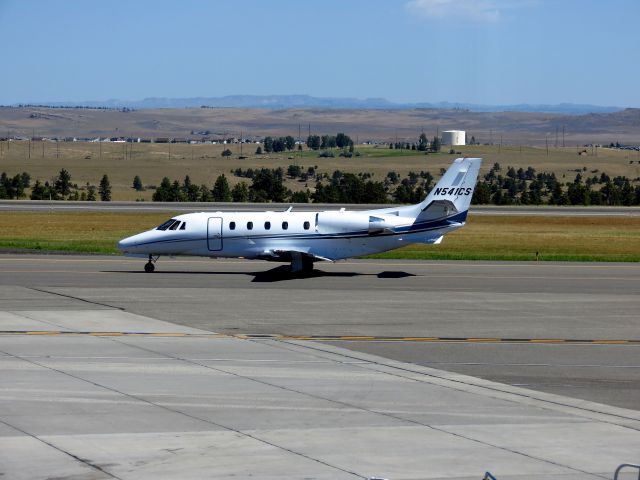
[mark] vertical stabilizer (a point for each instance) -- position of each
(453, 192)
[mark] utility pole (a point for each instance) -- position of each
(556, 136)
(100, 145)
(57, 148)
(546, 140)
(562, 136)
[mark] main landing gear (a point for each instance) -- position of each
(149, 267)
(301, 264)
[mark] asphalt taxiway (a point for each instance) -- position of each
(216, 368)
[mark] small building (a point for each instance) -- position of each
(453, 137)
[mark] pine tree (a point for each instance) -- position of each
(240, 192)
(105, 189)
(221, 191)
(62, 184)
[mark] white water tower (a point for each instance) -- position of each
(453, 137)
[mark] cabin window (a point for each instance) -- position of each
(267, 225)
(285, 225)
(306, 225)
(175, 225)
(249, 225)
(232, 225)
(183, 226)
(167, 224)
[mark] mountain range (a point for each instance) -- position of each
(307, 101)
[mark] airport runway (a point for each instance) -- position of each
(108, 372)
(39, 206)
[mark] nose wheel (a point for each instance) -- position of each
(149, 267)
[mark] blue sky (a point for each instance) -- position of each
(482, 51)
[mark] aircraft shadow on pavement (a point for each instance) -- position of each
(281, 273)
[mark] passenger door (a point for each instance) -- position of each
(214, 234)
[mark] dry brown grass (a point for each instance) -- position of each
(203, 163)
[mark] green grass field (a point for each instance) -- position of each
(485, 237)
(87, 162)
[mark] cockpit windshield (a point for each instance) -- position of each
(168, 224)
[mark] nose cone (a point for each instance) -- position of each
(125, 244)
(139, 243)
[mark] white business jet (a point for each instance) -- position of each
(303, 238)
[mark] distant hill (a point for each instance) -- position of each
(509, 127)
(307, 101)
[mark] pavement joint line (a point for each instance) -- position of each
(279, 344)
(166, 407)
(366, 364)
(41, 290)
(367, 361)
(61, 450)
(331, 338)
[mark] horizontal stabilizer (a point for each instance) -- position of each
(438, 209)
(431, 240)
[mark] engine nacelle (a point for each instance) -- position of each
(343, 222)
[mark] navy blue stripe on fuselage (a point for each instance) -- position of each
(413, 228)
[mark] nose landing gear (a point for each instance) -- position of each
(149, 267)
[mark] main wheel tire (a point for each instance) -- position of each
(149, 267)
(307, 266)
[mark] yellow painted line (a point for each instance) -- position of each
(614, 342)
(420, 339)
(357, 337)
(341, 338)
(547, 340)
(168, 334)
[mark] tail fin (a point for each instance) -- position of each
(453, 192)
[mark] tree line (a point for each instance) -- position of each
(61, 188)
(528, 187)
(499, 186)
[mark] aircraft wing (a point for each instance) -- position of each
(286, 255)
